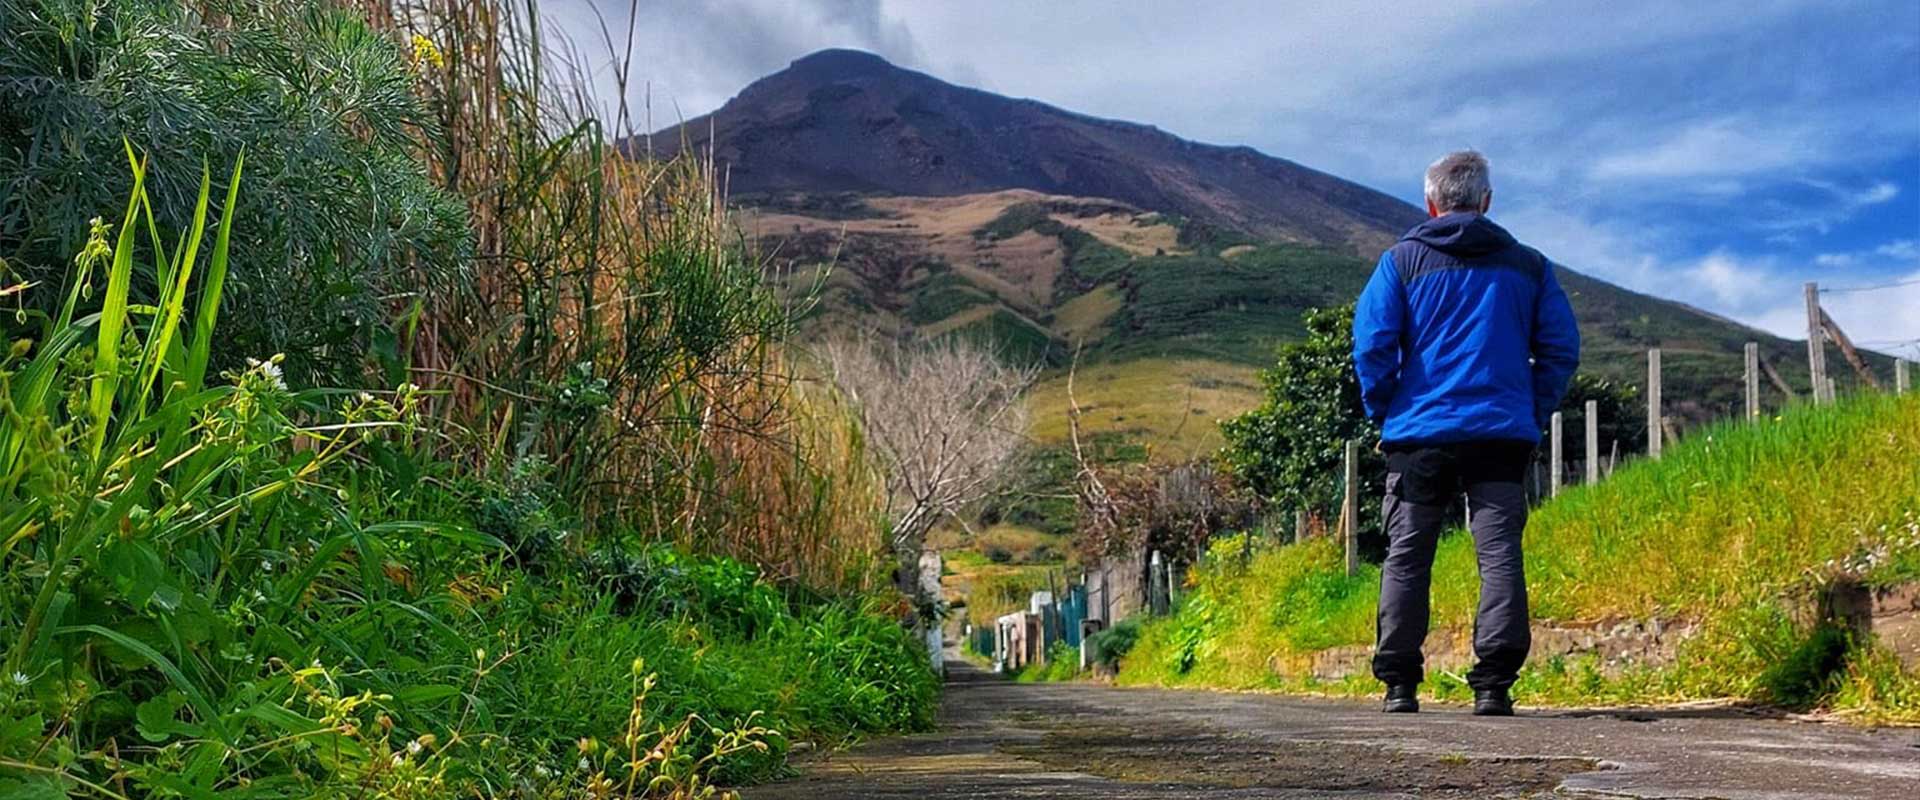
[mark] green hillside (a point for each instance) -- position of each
(1735, 532)
(1041, 276)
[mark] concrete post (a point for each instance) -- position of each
(1156, 584)
(1593, 442)
(1653, 403)
(1557, 469)
(1350, 514)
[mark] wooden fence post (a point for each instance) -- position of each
(1556, 470)
(1816, 345)
(1899, 376)
(1753, 380)
(1593, 442)
(1350, 510)
(1299, 525)
(1653, 403)
(1847, 351)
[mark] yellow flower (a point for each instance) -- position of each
(425, 50)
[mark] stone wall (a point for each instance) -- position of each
(1890, 615)
(1616, 644)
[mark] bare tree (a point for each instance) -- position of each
(944, 420)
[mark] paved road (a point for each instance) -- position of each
(1004, 740)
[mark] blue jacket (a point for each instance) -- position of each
(1463, 334)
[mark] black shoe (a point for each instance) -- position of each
(1402, 699)
(1492, 703)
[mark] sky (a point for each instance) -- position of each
(1717, 153)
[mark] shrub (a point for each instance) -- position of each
(336, 213)
(1109, 646)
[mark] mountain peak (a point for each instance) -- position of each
(842, 120)
(839, 62)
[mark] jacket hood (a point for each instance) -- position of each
(1463, 234)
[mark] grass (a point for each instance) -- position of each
(1085, 317)
(1062, 664)
(1018, 544)
(994, 591)
(943, 296)
(1172, 405)
(1726, 531)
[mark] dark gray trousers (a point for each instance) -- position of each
(1497, 515)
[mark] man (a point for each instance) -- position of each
(1464, 343)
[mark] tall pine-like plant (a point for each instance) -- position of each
(339, 224)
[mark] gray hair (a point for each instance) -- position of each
(1458, 182)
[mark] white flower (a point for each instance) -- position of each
(414, 747)
(270, 369)
(21, 679)
(585, 764)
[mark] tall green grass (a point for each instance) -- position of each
(1733, 529)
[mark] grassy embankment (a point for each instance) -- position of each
(1733, 530)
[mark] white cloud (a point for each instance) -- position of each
(1762, 291)
(1896, 253)
(1711, 148)
(1876, 194)
(1612, 252)
(689, 56)
(1732, 282)
(1903, 249)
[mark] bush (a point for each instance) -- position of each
(336, 212)
(1812, 671)
(1109, 646)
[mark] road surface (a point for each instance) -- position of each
(1004, 740)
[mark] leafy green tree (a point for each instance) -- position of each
(1290, 450)
(1623, 419)
(339, 222)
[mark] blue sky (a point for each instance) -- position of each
(1719, 153)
